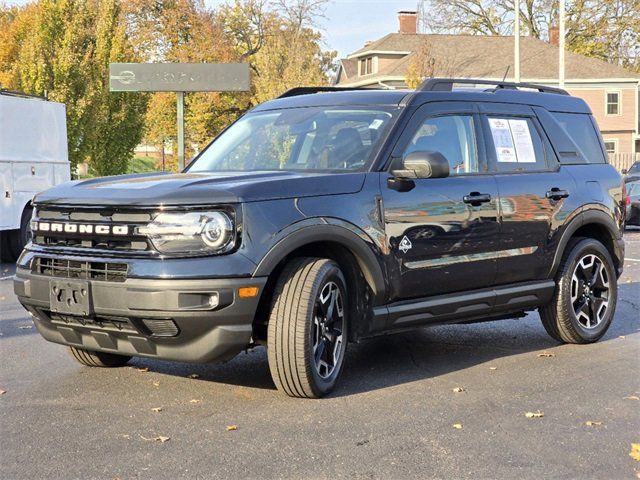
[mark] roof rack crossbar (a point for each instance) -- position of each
(446, 85)
(294, 92)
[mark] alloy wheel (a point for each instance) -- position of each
(590, 291)
(328, 329)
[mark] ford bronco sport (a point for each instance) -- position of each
(327, 216)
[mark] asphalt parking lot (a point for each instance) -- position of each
(392, 416)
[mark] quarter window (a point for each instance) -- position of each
(581, 130)
(453, 136)
(613, 103)
(517, 144)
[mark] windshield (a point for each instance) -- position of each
(310, 138)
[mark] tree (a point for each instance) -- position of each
(605, 29)
(118, 118)
(62, 48)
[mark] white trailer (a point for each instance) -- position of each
(33, 157)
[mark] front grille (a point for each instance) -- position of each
(104, 218)
(60, 267)
(161, 327)
(104, 322)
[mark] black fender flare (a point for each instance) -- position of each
(589, 217)
(362, 250)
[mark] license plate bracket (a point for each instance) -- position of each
(71, 297)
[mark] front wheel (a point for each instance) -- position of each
(307, 335)
(90, 358)
(584, 302)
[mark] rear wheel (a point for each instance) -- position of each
(98, 359)
(17, 239)
(307, 334)
(584, 302)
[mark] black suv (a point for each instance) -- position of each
(327, 216)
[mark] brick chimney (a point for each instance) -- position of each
(554, 35)
(408, 20)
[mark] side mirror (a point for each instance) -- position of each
(423, 165)
(624, 171)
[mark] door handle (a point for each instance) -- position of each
(475, 198)
(556, 194)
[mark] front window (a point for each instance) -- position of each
(312, 138)
(451, 135)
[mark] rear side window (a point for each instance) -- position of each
(581, 130)
(517, 144)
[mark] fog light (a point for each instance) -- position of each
(214, 300)
(248, 292)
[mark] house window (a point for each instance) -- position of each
(611, 146)
(366, 66)
(613, 103)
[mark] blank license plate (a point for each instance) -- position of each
(70, 297)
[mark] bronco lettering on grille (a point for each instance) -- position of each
(80, 228)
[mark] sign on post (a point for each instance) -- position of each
(179, 78)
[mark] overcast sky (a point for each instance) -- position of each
(349, 23)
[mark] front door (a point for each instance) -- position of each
(442, 232)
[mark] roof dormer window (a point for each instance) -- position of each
(366, 66)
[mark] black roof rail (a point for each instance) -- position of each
(294, 92)
(14, 93)
(446, 85)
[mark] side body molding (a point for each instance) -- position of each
(362, 250)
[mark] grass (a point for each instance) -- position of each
(142, 165)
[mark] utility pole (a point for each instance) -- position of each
(180, 116)
(561, 43)
(516, 37)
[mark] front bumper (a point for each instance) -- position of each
(159, 318)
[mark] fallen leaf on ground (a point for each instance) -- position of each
(632, 397)
(458, 389)
(622, 336)
(156, 383)
(2, 392)
(25, 327)
(231, 428)
(160, 439)
(493, 368)
(156, 409)
(546, 355)
(142, 369)
(537, 414)
(194, 375)
(457, 426)
(591, 423)
(635, 451)
(195, 400)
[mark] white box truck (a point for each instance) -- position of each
(33, 157)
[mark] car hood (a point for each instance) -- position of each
(199, 188)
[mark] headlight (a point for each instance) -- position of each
(193, 232)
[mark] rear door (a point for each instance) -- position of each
(441, 232)
(534, 190)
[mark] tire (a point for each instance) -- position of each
(98, 359)
(584, 302)
(17, 239)
(307, 332)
